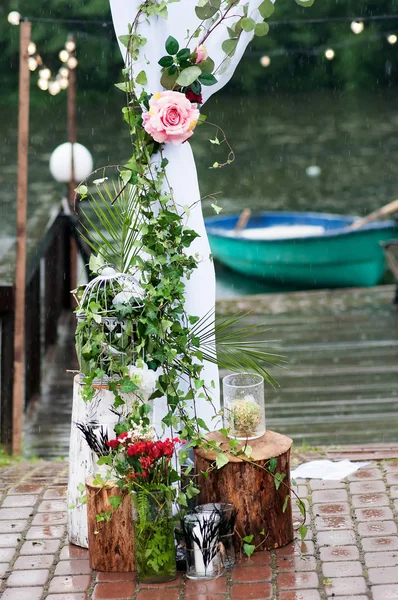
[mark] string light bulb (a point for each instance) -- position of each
(72, 62)
(64, 72)
(63, 82)
(330, 54)
(265, 61)
(32, 63)
(32, 48)
(357, 27)
(14, 17)
(70, 45)
(43, 84)
(63, 56)
(53, 87)
(392, 39)
(45, 73)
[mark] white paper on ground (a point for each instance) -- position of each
(326, 469)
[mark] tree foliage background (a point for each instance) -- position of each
(364, 61)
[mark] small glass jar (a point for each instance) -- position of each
(227, 514)
(244, 413)
(202, 539)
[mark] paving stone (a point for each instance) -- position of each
(10, 514)
(55, 493)
(57, 518)
(392, 478)
(296, 548)
(27, 593)
(329, 496)
(69, 584)
(331, 523)
(336, 538)
(296, 563)
(73, 567)
(394, 491)
(34, 562)
(125, 589)
(379, 544)
(45, 532)
(67, 597)
(28, 578)
(374, 514)
(297, 581)
(377, 528)
(251, 574)
(13, 526)
(299, 595)
(339, 553)
(9, 540)
(341, 586)
(349, 568)
(6, 554)
(4, 568)
(40, 547)
(259, 558)
(26, 488)
(213, 586)
(381, 559)
(103, 577)
(247, 591)
(365, 474)
(52, 506)
(320, 510)
(370, 500)
(385, 592)
(383, 575)
(73, 552)
(19, 501)
(321, 484)
(366, 487)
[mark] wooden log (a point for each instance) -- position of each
(110, 543)
(251, 489)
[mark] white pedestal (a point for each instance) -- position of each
(80, 460)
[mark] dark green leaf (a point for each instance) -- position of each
(286, 502)
(207, 79)
(172, 46)
(183, 54)
(272, 465)
(279, 477)
(166, 61)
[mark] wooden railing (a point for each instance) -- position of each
(47, 295)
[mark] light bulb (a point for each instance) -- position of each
(329, 54)
(32, 48)
(357, 27)
(72, 62)
(64, 72)
(32, 63)
(63, 82)
(54, 88)
(43, 84)
(14, 17)
(63, 56)
(265, 61)
(70, 45)
(392, 39)
(45, 73)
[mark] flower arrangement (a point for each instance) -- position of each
(246, 416)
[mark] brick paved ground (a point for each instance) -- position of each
(351, 552)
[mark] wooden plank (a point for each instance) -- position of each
(20, 276)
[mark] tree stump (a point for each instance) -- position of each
(251, 489)
(112, 548)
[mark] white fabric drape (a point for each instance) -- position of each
(181, 170)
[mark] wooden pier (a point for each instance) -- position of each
(340, 385)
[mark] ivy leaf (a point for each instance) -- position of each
(261, 29)
(229, 46)
(305, 3)
(303, 531)
(286, 502)
(248, 24)
(248, 549)
(125, 40)
(279, 477)
(82, 191)
(266, 8)
(203, 425)
(115, 501)
(166, 61)
(207, 79)
(248, 538)
(141, 78)
(125, 86)
(188, 76)
(182, 499)
(128, 387)
(221, 460)
(172, 46)
(272, 465)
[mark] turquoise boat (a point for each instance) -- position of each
(310, 250)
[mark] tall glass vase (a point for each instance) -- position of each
(244, 413)
(154, 536)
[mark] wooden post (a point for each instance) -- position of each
(261, 507)
(72, 137)
(20, 271)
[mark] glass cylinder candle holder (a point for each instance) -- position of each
(202, 539)
(227, 513)
(244, 413)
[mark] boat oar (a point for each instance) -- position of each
(243, 220)
(388, 209)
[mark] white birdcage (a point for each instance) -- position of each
(105, 297)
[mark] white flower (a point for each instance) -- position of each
(144, 377)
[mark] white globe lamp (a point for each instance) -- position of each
(61, 163)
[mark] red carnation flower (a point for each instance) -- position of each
(122, 436)
(113, 443)
(192, 97)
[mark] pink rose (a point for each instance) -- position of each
(171, 117)
(201, 54)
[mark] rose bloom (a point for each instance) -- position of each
(201, 54)
(171, 117)
(192, 97)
